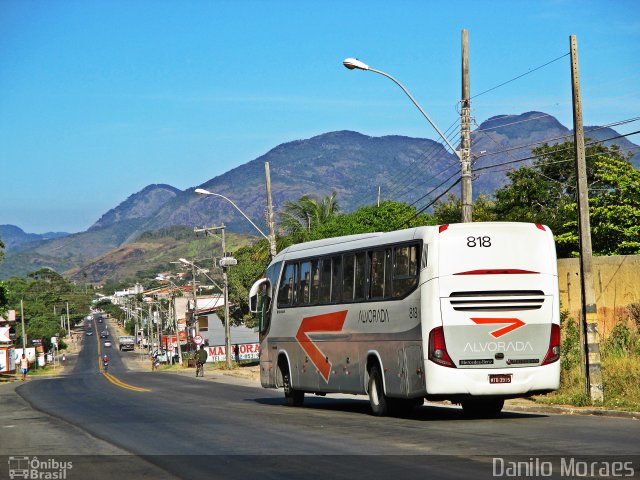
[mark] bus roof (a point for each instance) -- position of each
(350, 242)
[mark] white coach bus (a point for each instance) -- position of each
(463, 312)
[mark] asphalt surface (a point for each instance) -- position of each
(193, 428)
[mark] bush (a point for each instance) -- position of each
(620, 342)
(570, 347)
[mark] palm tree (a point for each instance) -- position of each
(300, 217)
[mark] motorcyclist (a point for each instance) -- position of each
(105, 362)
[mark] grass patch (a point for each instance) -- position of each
(43, 371)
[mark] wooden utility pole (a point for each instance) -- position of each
(589, 312)
(24, 335)
(225, 284)
(270, 221)
(465, 134)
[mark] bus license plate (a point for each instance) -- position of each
(500, 378)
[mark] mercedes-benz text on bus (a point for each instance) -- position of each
(463, 312)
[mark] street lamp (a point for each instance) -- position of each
(463, 155)
(355, 64)
(271, 240)
(227, 329)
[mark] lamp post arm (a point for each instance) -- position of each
(206, 192)
(419, 108)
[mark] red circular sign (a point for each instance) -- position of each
(198, 339)
(170, 348)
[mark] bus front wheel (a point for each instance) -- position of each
(379, 402)
(295, 398)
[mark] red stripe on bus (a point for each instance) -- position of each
(328, 322)
(497, 271)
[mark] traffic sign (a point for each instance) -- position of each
(170, 348)
(198, 339)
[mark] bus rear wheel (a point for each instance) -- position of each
(294, 398)
(377, 399)
(485, 408)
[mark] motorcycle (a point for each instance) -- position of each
(105, 366)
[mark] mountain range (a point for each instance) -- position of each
(412, 170)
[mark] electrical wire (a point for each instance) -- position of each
(520, 76)
(555, 151)
(518, 147)
(424, 157)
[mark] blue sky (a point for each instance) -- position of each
(100, 98)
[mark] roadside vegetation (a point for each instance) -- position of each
(620, 356)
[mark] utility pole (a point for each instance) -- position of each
(174, 317)
(68, 321)
(465, 134)
(225, 263)
(194, 315)
(589, 311)
(24, 335)
(270, 221)
(225, 280)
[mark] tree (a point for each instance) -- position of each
(450, 211)
(46, 294)
(300, 217)
(545, 193)
(371, 218)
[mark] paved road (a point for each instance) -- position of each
(189, 428)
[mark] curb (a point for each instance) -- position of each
(568, 410)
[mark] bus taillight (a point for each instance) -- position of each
(553, 354)
(438, 348)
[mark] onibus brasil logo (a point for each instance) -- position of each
(33, 468)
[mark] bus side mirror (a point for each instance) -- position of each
(254, 293)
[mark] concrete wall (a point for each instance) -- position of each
(616, 282)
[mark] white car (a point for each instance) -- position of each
(107, 343)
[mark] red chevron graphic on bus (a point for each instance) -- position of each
(513, 324)
(328, 322)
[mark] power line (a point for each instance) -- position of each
(512, 123)
(521, 75)
(424, 157)
(555, 151)
(518, 147)
(418, 212)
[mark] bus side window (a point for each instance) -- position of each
(336, 276)
(324, 294)
(376, 274)
(405, 270)
(314, 285)
(305, 283)
(359, 292)
(287, 286)
(348, 277)
(425, 251)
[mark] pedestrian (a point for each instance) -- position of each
(236, 352)
(24, 367)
